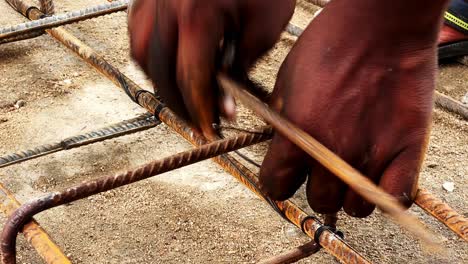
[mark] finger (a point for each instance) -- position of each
(399, 178)
(262, 29)
(283, 170)
(200, 34)
(325, 191)
(140, 24)
(160, 61)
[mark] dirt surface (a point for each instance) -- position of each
(198, 214)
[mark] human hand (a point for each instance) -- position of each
(362, 91)
(177, 43)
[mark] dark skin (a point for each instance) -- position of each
(177, 43)
(360, 84)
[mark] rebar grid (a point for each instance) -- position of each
(25, 213)
(330, 242)
(151, 103)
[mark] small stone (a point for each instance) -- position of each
(449, 186)
(19, 104)
(3, 119)
(66, 82)
(464, 100)
(291, 231)
(432, 165)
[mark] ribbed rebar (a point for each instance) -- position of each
(444, 213)
(142, 122)
(37, 27)
(28, 210)
(33, 232)
(27, 35)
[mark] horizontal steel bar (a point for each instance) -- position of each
(140, 123)
(37, 27)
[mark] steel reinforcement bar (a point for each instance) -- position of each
(327, 239)
(142, 122)
(444, 213)
(36, 28)
(33, 232)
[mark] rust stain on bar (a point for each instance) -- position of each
(444, 213)
(33, 232)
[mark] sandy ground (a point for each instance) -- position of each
(198, 214)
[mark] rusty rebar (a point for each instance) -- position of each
(36, 28)
(33, 232)
(444, 213)
(25, 213)
(140, 123)
(294, 254)
(328, 240)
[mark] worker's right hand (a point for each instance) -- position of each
(177, 43)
